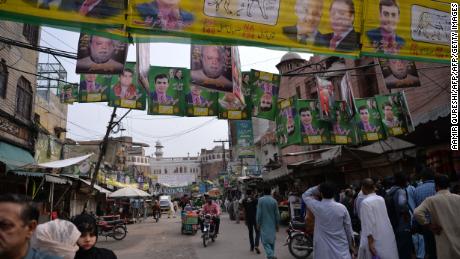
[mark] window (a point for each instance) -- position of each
(30, 32)
(298, 93)
(3, 78)
(23, 98)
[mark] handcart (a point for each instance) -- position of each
(189, 222)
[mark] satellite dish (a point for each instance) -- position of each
(84, 167)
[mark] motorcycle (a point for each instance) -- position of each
(156, 214)
(115, 229)
(299, 242)
(209, 228)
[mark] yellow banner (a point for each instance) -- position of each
(419, 29)
(299, 24)
(107, 13)
(409, 29)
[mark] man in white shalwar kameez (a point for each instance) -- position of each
(333, 235)
(377, 236)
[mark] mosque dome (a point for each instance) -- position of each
(290, 56)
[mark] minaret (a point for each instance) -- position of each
(158, 150)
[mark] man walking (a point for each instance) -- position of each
(333, 235)
(267, 218)
(423, 191)
(443, 210)
(397, 202)
(377, 237)
(236, 209)
(250, 212)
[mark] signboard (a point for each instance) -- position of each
(68, 93)
(244, 138)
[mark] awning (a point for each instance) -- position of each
(326, 156)
(30, 174)
(57, 179)
(129, 192)
(388, 145)
(14, 157)
(96, 187)
(277, 173)
(65, 162)
(431, 115)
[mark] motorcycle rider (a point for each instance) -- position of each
(210, 207)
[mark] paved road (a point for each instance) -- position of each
(163, 240)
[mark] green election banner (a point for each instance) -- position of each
(68, 93)
(244, 138)
(369, 122)
(287, 123)
(247, 90)
(166, 90)
(313, 130)
(200, 101)
(265, 94)
(126, 92)
(392, 112)
(343, 129)
(94, 88)
(231, 108)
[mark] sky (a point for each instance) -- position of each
(180, 136)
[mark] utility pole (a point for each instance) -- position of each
(103, 149)
(224, 166)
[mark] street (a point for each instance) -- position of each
(164, 240)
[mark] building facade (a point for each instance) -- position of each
(18, 67)
(174, 171)
(214, 162)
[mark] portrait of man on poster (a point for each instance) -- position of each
(343, 36)
(90, 85)
(308, 13)
(384, 38)
(399, 73)
(102, 58)
(125, 89)
(165, 15)
(389, 118)
(161, 87)
(306, 119)
(364, 123)
(90, 8)
(195, 98)
(211, 74)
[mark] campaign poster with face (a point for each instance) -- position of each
(368, 120)
(200, 101)
(287, 123)
(94, 88)
(343, 130)
(391, 108)
(399, 73)
(313, 130)
(211, 67)
(68, 93)
(166, 90)
(326, 96)
(99, 55)
(126, 92)
(265, 87)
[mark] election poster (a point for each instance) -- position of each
(392, 111)
(368, 119)
(313, 130)
(346, 92)
(343, 129)
(326, 96)
(94, 88)
(125, 91)
(166, 90)
(68, 93)
(287, 123)
(200, 101)
(398, 73)
(244, 138)
(100, 55)
(265, 87)
(211, 67)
